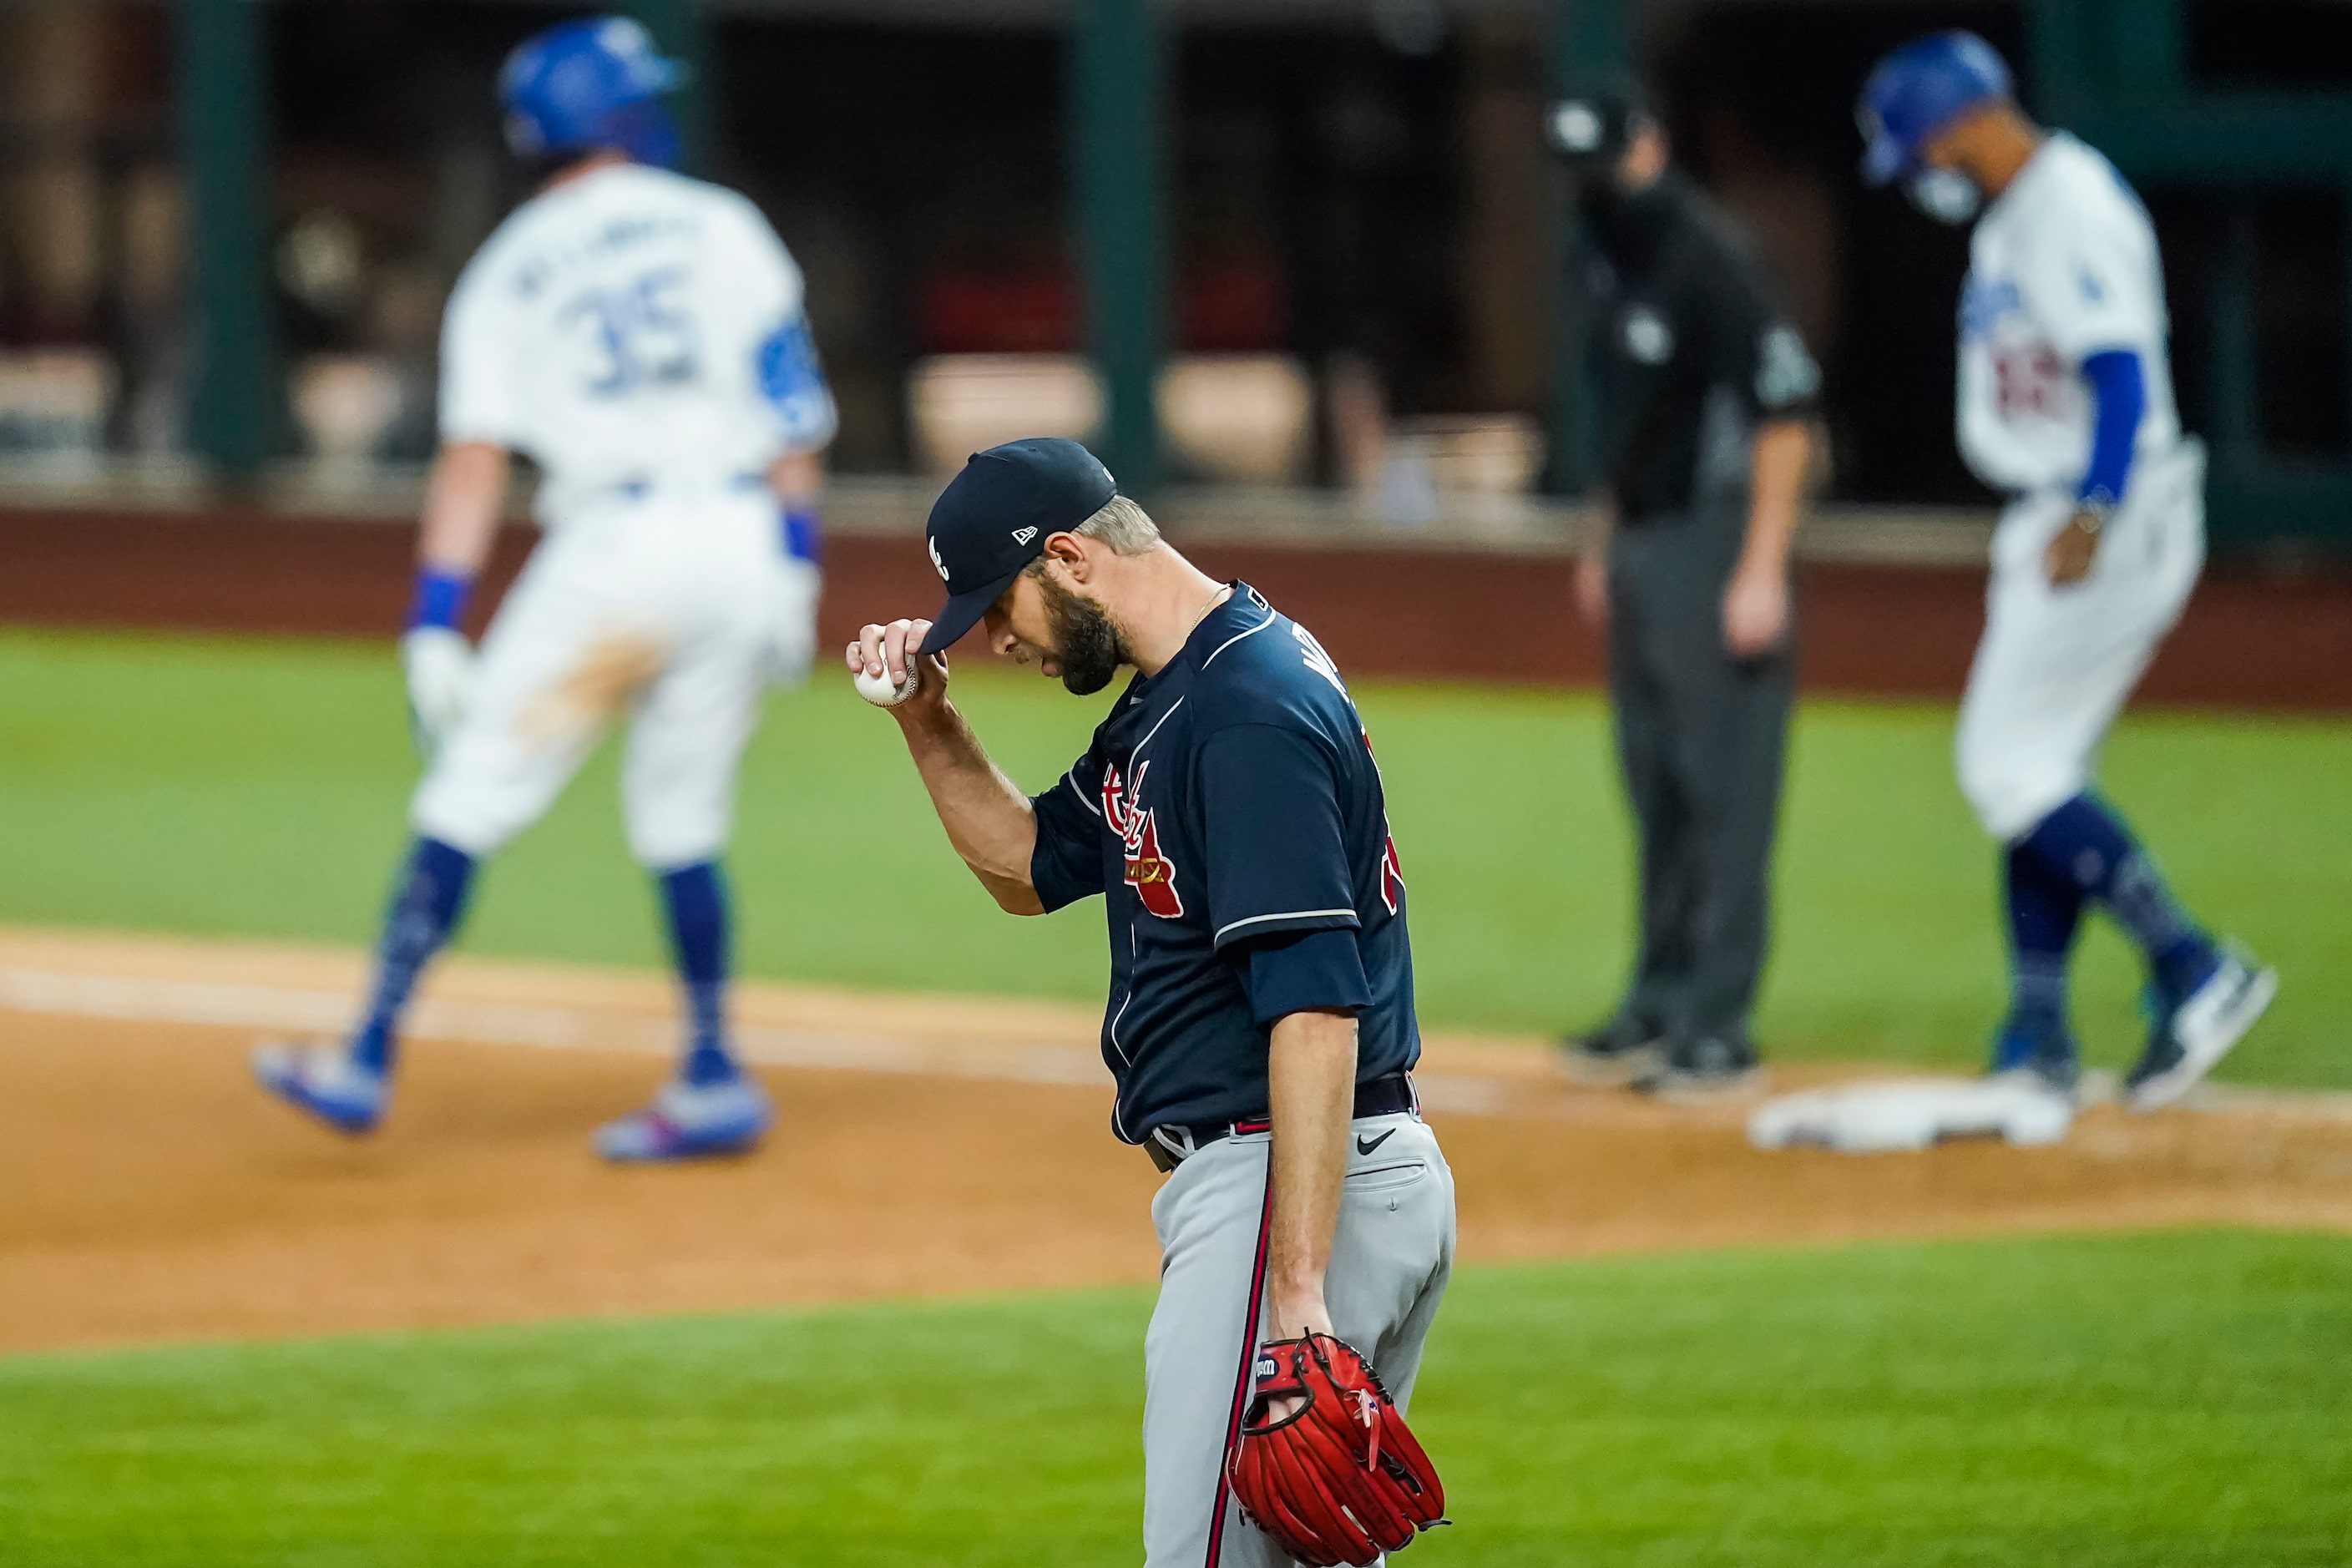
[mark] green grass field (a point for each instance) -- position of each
(254, 787)
(2160, 1400)
(2097, 1401)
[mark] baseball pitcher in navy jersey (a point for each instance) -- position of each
(1260, 1022)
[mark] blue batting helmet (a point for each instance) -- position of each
(592, 83)
(1917, 91)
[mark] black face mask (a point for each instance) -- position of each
(1628, 225)
(1086, 645)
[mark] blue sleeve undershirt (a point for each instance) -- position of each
(439, 600)
(2119, 394)
(802, 531)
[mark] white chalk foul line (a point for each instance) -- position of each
(169, 1001)
(284, 1009)
(289, 1010)
(281, 1009)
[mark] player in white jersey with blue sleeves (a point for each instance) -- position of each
(640, 335)
(2066, 403)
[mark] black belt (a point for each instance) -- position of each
(1170, 1145)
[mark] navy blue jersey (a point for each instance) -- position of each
(1231, 813)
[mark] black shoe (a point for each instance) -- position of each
(1613, 1055)
(1699, 1069)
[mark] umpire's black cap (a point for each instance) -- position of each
(994, 518)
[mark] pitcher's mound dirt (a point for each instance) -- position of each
(152, 1192)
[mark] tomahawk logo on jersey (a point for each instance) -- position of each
(1148, 871)
(1228, 801)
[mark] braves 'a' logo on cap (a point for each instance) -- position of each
(1149, 872)
(937, 561)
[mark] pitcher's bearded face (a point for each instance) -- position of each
(1086, 643)
(1065, 633)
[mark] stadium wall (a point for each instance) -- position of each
(2249, 638)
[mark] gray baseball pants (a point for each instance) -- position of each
(1390, 1260)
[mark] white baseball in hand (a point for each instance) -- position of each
(877, 689)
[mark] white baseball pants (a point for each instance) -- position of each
(2056, 665)
(1390, 1260)
(673, 612)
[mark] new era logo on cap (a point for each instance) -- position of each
(1024, 535)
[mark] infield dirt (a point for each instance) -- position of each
(927, 1146)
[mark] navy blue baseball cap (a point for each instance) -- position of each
(994, 518)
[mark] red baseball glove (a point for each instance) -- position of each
(1340, 1479)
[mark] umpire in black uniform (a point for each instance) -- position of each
(1705, 395)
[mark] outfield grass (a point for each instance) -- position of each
(2171, 1400)
(238, 787)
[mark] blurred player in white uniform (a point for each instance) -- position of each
(639, 335)
(2066, 403)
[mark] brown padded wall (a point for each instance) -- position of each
(2249, 640)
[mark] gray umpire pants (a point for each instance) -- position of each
(1389, 1259)
(1701, 737)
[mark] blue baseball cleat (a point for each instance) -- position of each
(2188, 1034)
(688, 1122)
(2044, 1055)
(324, 1081)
